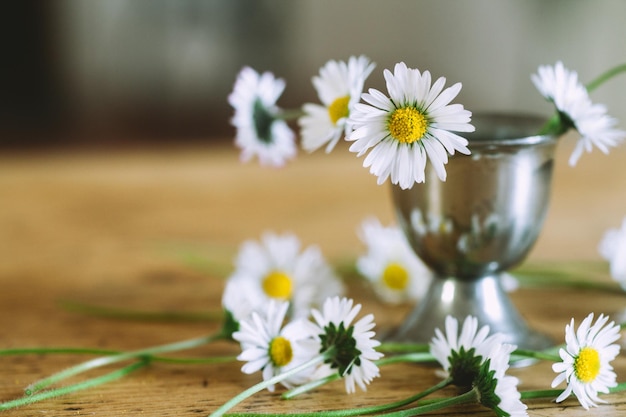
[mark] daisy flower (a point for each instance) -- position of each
(351, 346)
(473, 358)
(413, 124)
(260, 130)
(461, 354)
(575, 110)
(496, 390)
(339, 86)
(269, 347)
(586, 361)
(613, 248)
(276, 269)
(390, 264)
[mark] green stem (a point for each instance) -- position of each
(543, 393)
(292, 393)
(362, 410)
(124, 314)
(606, 76)
(398, 347)
(469, 396)
(599, 266)
(552, 126)
(269, 382)
(555, 279)
(407, 357)
(193, 361)
(89, 351)
(290, 114)
(619, 387)
(551, 393)
(542, 355)
(218, 265)
(57, 350)
(108, 360)
(73, 388)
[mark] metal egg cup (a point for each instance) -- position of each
(476, 225)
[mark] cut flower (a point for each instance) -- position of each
(575, 110)
(339, 86)
(586, 361)
(413, 124)
(273, 349)
(260, 130)
(276, 269)
(393, 269)
(496, 390)
(473, 358)
(351, 346)
(460, 354)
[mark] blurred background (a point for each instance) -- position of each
(141, 71)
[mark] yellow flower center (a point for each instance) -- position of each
(587, 364)
(395, 277)
(407, 124)
(280, 351)
(338, 109)
(277, 285)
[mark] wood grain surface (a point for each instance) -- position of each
(156, 230)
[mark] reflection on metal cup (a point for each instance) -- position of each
(481, 221)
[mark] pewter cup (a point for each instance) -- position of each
(480, 222)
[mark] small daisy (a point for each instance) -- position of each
(273, 349)
(413, 124)
(613, 248)
(390, 264)
(260, 130)
(575, 109)
(276, 269)
(559, 85)
(496, 390)
(339, 86)
(351, 345)
(460, 355)
(586, 359)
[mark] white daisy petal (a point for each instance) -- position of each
(377, 99)
(409, 126)
(260, 133)
(586, 363)
(437, 156)
(390, 265)
(297, 345)
(491, 357)
(561, 86)
(355, 363)
(338, 85)
(276, 268)
(446, 96)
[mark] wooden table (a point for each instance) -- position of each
(155, 230)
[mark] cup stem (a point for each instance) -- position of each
(483, 297)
